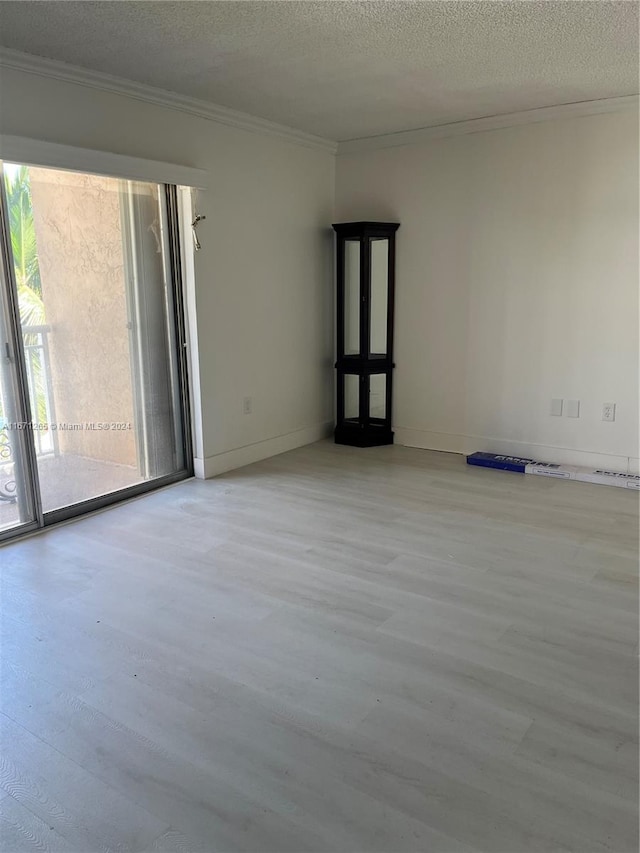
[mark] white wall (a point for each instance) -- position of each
(517, 273)
(264, 276)
(517, 281)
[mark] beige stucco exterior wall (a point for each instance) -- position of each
(79, 241)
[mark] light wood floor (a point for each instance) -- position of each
(332, 650)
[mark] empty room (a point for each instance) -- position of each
(319, 523)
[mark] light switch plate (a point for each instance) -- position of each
(573, 408)
(556, 407)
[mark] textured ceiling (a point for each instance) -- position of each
(345, 69)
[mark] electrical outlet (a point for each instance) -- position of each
(573, 408)
(247, 405)
(556, 407)
(608, 412)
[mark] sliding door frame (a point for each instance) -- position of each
(26, 471)
(174, 228)
(176, 318)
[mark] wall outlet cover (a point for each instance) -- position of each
(609, 412)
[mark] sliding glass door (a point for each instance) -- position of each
(91, 290)
(17, 499)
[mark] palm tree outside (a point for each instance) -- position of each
(28, 283)
(24, 245)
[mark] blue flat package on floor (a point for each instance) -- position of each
(524, 465)
(496, 460)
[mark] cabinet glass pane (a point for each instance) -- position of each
(351, 297)
(351, 396)
(379, 288)
(378, 396)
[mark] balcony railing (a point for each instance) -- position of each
(37, 363)
(7, 477)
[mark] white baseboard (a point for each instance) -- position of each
(199, 468)
(449, 442)
(456, 443)
(211, 466)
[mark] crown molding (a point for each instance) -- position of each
(498, 122)
(56, 70)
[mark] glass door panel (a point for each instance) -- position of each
(351, 396)
(351, 297)
(379, 295)
(17, 506)
(97, 316)
(378, 396)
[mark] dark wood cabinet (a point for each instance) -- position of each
(365, 256)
